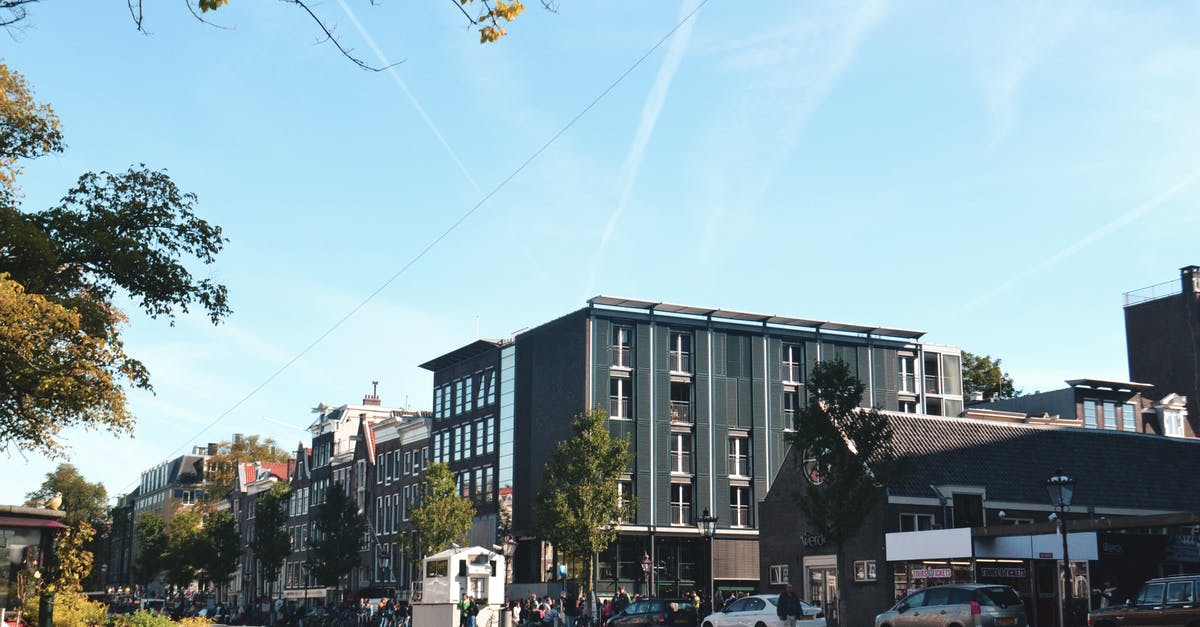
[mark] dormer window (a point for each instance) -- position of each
(1173, 423)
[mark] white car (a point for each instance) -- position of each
(759, 611)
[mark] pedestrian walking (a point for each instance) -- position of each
(789, 608)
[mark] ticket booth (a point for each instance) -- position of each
(447, 576)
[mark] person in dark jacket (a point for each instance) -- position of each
(789, 608)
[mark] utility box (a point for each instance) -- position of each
(447, 576)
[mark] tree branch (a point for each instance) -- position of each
(346, 52)
(462, 8)
(135, 11)
(201, 19)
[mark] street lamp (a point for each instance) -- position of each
(1061, 488)
(648, 570)
(706, 524)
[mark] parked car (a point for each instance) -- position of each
(154, 606)
(1164, 601)
(760, 611)
(966, 605)
(655, 613)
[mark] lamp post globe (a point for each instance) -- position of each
(1061, 489)
(706, 524)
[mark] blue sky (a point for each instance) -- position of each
(996, 174)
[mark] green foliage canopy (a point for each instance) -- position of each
(578, 507)
(62, 360)
(271, 543)
(334, 550)
(982, 374)
(444, 516)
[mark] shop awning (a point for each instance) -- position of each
(959, 543)
(27, 523)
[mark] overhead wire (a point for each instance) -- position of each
(443, 235)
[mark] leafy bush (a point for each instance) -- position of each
(77, 610)
(196, 621)
(142, 618)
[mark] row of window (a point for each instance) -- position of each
(477, 483)
(187, 497)
(466, 440)
(681, 505)
(297, 504)
(679, 351)
(1094, 410)
(941, 370)
(465, 394)
(154, 478)
(737, 452)
(393, 509)
(391, 465)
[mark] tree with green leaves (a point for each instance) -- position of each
(579, 505)
(334, 550)
(113, 236)
(87, 520)
(443, 516)
(982, 374)
(220, 470)
(82, 500)
(848, 458)
(223, 547)
(185, 550)
(271, 543)
(151, 533)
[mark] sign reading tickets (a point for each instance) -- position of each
(931, 573)
(1006, 573)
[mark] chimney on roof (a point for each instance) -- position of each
(1189, 276)
(237, 438)
(372, 399)
(976, 396)
(212, 448)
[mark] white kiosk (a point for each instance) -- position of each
(447, 576)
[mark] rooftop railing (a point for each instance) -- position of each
(1154, 292)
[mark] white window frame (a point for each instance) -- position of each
(681, 453)
(678, 504)
(739, 454)
(780, 574)
(736, 505)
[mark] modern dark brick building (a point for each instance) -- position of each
(975, 508)
(1162, 337)
(705, 395)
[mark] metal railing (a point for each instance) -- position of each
(1153, 292)
(908, 383)
(621, 357)
(619, 407)
(681, 411)
(680, 361)
(789, 371)
(933, 384)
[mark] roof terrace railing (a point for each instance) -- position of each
(1154, 292)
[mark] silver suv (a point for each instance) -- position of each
(961, 605)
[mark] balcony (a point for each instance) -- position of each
(789, 372)
(619, 407)
(621, 357)
(908, 383)
(681, 412)
(680, 361)
(933, 384)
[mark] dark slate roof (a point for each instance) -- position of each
(1013, 461)
(478, 347)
